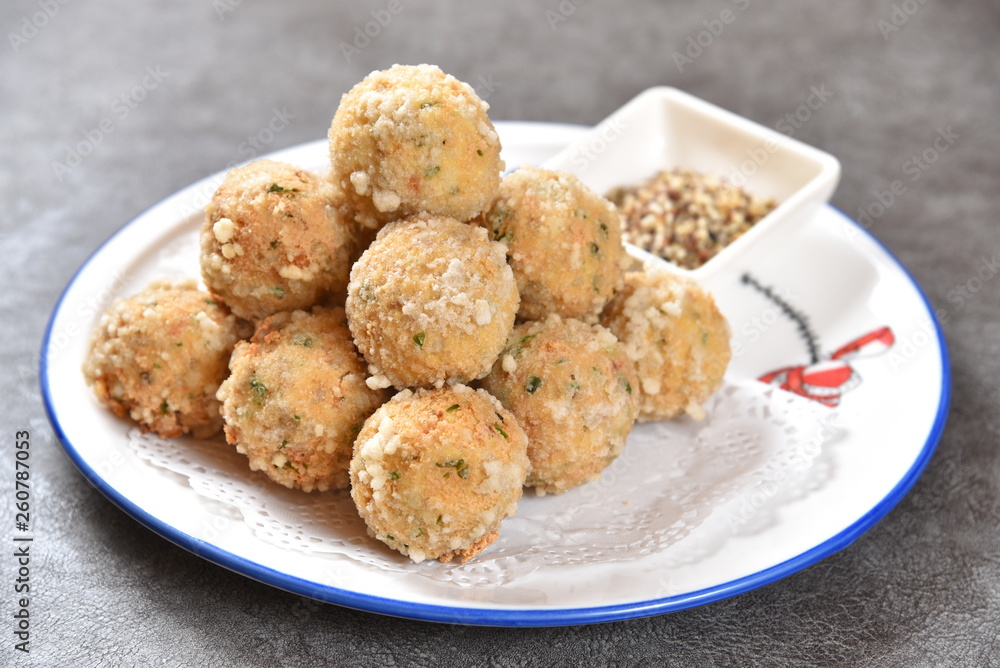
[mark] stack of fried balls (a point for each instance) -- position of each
(412, 326)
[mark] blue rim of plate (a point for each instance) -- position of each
(515, 617)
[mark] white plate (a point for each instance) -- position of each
(830, 270)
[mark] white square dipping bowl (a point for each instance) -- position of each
(665, 128)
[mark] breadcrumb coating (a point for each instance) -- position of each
(274, 239)
(430, 302)
(676, 336)
(435, 472)
(296, 399)
(158, 357)
(413, 139)
(564, 242)
(573, 391)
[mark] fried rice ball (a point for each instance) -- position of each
(573, 391)
(431, 301)
(413, 139)
(274, 239)
(159, 356)
(297, 398)
(676, 336)
(436, 471)
(564, 242)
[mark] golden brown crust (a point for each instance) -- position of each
(431, 301)
(274, 239)
(573, 391)
(564, 243)
(679, 341)
(434, 471)
(413, 139)
(159, 356)
(296, 399)
(472, 550)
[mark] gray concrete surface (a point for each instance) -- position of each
(921, 588)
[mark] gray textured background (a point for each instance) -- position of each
(921, 588)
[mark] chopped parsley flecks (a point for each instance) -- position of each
(432, 171)
(283, 444)
(297, 417)
(704, 337)
(275, 188)
(479, 152)
(458, 464)
(259, 390)
(279, 292)
(419, 340)
(534, 382)
(302, 340)
(525, 339)
(289, 465)
(496, 425)
(164, 408)
(500, 215)
(452, 408)
(595, 249)
(393, 475)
